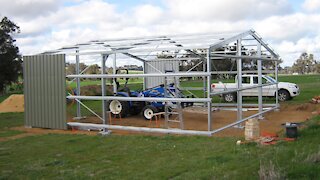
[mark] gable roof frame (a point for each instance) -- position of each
(243, 35)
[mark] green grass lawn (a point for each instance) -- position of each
(309, 86)
(3, 97)
(154, 157)
(8, 120)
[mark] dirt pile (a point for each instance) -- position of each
(14, 103)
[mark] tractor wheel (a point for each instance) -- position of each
(283, 95)
(118, 108)
(136, 108)
(148, 111)
(230, 97)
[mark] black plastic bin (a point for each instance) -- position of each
(291, 130)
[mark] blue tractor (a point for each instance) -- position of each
(124, 108)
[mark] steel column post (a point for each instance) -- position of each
(276, 76)
(114, 70)
(204, 77)
(239, 81)
(144, 79)
(209, 90)
(103, 87)
(78, 84)
(259, 61)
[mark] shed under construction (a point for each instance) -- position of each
(161, 57)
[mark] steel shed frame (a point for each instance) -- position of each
(204, 47)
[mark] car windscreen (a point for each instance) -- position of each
(270, 79)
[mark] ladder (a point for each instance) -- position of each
(173, 111)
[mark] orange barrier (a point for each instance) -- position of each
(157, 117)
(114, 116)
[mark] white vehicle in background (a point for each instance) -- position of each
(286, 90)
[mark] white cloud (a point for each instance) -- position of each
(287, 31)
(27, 9)
(311, 5)
(229, 10)
(147, 14)
(86, 13)
(292, 27)
(72, 24)
(290, 50)
(34, 27)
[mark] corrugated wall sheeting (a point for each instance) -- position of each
(45, 91)
(159, 66)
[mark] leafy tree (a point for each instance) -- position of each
(71, 68)
(317, 67)
(10, 59)
(305, 64)
(93, 69)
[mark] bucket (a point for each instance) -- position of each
(252, 129)
(291, 130)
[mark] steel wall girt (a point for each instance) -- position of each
(158, 99)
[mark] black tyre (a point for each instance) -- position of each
(283, 95)
(148, 111)
(190, 104)
(136, 108)
(230, 97)
(118, 108)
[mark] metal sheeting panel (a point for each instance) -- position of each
(45, 91)
(159, 66)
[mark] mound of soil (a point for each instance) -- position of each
(14, 103)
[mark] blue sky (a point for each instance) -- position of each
(126, 4)
(297, 4)
(290, 27)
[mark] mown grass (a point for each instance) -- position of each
(3, 97)
(8, 120)
(309, 86)
(96, 106)
(158, 157)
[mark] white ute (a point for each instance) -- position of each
(286, 90)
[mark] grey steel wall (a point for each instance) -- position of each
(157, 66)
(45, 91)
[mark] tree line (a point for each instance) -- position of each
(10, 58)
(306, 64)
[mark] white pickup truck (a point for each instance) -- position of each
(286, 90)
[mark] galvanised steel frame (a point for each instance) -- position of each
(146, 49)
